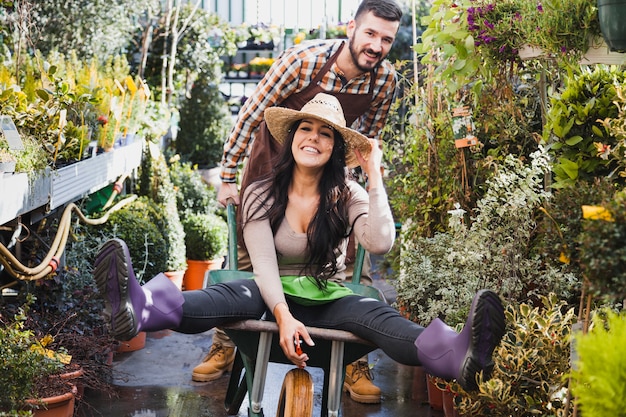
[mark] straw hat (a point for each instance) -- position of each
(322, 107)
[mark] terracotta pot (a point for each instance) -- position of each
(420, 389)
(136, 343)
(75, 377)
(435, 395)
(58, 406)
(449, 408)
(176, 277)
(196, 274)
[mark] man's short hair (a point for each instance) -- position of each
(384, 9)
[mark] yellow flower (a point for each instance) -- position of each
(300, 36)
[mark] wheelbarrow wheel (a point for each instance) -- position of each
(296, 395)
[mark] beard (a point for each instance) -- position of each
(355, 57)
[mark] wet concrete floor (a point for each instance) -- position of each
(156, 382)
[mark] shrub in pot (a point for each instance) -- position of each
(206, 240)
(140, 224)
(206, 236)
(155, 183)
(26, 368)
(531, 364)
(193, 194)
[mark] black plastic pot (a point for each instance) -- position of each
(612, 17)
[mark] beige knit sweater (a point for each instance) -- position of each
(286, 252)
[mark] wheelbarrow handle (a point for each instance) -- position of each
(231, 216)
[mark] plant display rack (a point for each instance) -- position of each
(54, 188)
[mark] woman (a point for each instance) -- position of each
(295, 226)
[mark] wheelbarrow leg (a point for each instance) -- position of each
(260, 372)
(335, 381)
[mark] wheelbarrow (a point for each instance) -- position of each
(256, 347)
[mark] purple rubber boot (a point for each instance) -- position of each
(130, 307)
(462, 356)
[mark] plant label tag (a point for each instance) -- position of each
(463, 127)
(11, 134)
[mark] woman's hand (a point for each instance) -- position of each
(292, 334)
(372, 165)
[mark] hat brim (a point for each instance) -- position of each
(279, 121)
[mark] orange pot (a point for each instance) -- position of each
(176, 277)
(435, 395)
(196, 274)
(136, 343)
(58, 406)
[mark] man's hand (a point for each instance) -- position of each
(228, 191)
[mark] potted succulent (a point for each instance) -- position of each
(206, 240)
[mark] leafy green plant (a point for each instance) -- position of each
(439, 275)
(193, 194)
(575, 126)
(140, 225)
(205, 121)
(448, 45)
(206, 236)
(23, 361)
(531, 363)
(599, 373)
(603, 250)
(156, 184)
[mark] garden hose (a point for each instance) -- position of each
(51, 262)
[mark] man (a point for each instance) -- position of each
(355, 72)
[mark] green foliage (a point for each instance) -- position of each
(156, 184)
(599, 374)
(439, 275)
(617, 127)
(531, 363)
(603, 250)
(205, 122)
(559, 233)
(92, 28)
(193, 194)
(140, 225)
(575, 132)
(424, 179)
(206, 236)
(448, 44)
(21, 365)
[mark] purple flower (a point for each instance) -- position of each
(540, 7)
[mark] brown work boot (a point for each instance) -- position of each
(219, 360)
(359, 384)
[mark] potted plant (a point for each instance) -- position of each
(7, 161)
(206, 240)
(30, 372)
(531, 364)
(155, 183)
(193, 194)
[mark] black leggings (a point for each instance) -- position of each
(367, 318)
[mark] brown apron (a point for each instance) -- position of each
(264, 148)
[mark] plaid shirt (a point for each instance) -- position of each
(291, 73)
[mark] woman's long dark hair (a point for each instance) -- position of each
(330, 223)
